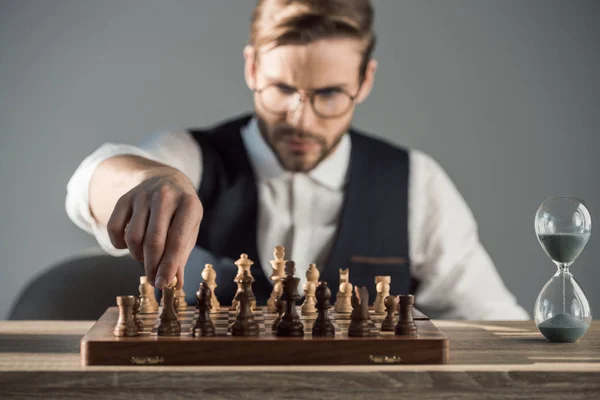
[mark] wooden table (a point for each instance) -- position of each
(488, 360)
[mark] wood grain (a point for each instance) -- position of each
(485, 363)
(301, 385)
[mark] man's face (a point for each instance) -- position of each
(300, 137)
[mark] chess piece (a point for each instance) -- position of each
(278, 265)
(169, 325)
(290, 325)
(382, 286)
(244, 324)
(313, 274)
(210, 277)
(180, 294)
(391, 305)
(136, 308)
(148, 303)
(280, 309)
(323, 327)
(204, 325)
(312, 280)
(126, 323)
(406, 325)
(243, 264)
(308, 307)
(175, 303)
(275, 296)
(360, 322)
(343, 303)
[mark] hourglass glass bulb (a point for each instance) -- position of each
(562, 312)
(563, 226)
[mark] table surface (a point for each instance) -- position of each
(488, 359)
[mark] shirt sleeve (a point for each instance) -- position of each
(176, 149)
(457, 277)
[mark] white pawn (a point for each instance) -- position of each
(180, 294)
(210, 277)
(148, 303)
(382, 286)
(310, 299)
(343, 301)
(278, 265)
(310, 289)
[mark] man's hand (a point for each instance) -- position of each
(158, 221)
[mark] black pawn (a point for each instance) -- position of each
(323, 327)
(290, 325)
(169, 325)
(389, 323)
(204, 325)
(406, 325)
(360, 322)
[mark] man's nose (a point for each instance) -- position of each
(301, 114)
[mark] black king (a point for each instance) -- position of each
(290, 324)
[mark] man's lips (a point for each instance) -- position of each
(302, 145)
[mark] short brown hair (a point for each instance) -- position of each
(280, 22)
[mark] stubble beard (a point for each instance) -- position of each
(296, 161)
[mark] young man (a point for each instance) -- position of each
(294, 173)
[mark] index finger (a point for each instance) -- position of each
(176, 250)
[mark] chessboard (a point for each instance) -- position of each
(100, 347)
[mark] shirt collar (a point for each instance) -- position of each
(331, 172)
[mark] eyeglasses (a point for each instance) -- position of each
(326, 103)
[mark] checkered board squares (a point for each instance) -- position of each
(223, 319)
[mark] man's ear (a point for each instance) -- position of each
(250, 66)
(368, 81)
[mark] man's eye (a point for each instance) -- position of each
(285, 89)
(327, 93)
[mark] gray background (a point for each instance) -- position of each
(504, 94)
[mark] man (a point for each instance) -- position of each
(294, 173)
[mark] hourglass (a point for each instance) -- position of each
(563, 226)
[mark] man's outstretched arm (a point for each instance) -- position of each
(143, 200)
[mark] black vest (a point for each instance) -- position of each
(372, 236)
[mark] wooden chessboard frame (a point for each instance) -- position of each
(100, 347)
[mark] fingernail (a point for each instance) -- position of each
(160, 282)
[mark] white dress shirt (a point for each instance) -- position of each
(301, 211)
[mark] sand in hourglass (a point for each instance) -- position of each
(563, 328)
(564, 248)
